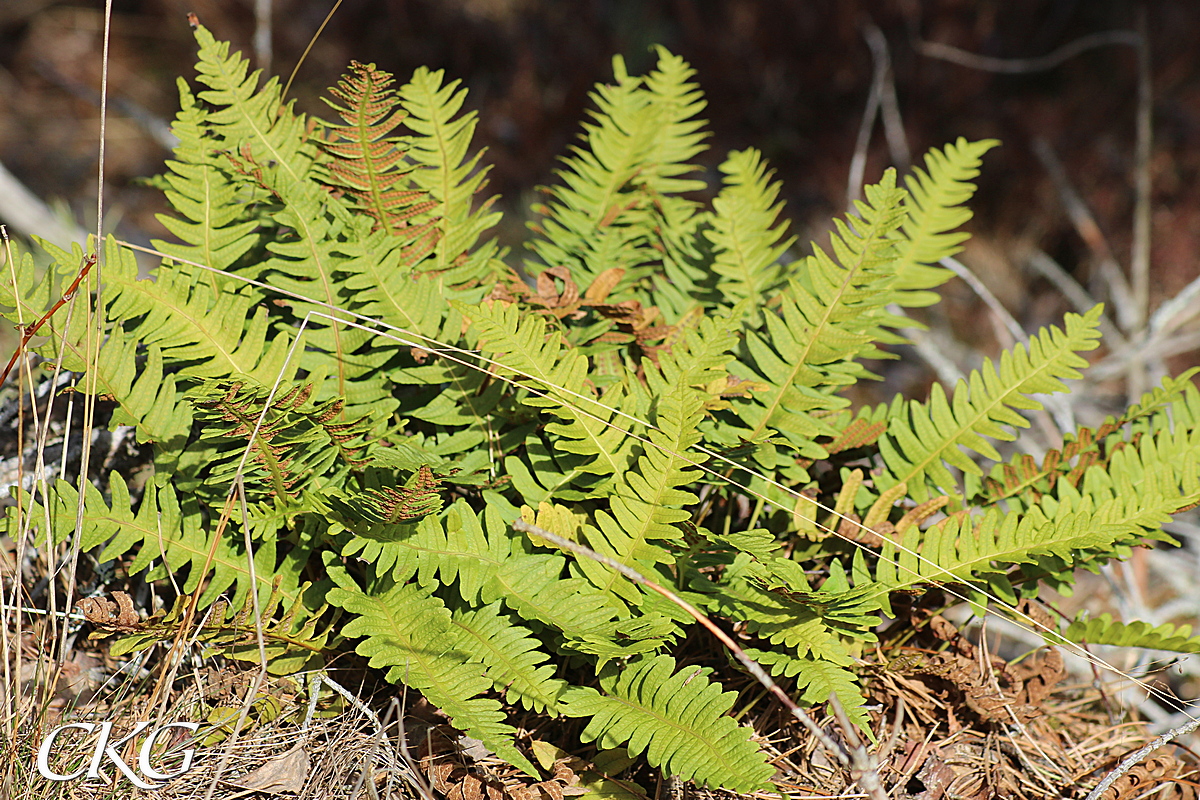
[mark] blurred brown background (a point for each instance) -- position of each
(791, 77)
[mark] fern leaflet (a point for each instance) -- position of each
(678, 718)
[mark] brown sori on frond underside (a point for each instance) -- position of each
(368, 162)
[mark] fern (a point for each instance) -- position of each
(962, 551)
(510, 653)
(1022, 481)
(831, 315)
(922, 435)
(369, 164)
(643, 133)
(288, 440)
(1105, 630)
(747, 240)
(412, 634)
(218, 226)
(935, 209)
(677, 717)
(450, 175)
(674, 391)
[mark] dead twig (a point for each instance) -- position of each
(1132, 759)
(858, 163)
(881, 102)
(262, 35)
(1139, 265)
(1138, 376)
(1089, 230)
(1176, 311)
(889, 104)
(990, 300)
(864, 769)
(1018, 66)
(260, 676)
(287, 86)
(1079, 297)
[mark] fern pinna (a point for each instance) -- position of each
(336, 338)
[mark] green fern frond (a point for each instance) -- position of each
(540, 475)
(1185, 409)
(28, 290)
(100, 527)
(590, 621)
(270, 147)
(457, 401)
(597, 434)
(219, 217)
(1049, 541)
(799, 626)
(832, 315)
(36, 290)
(557, 375)
(921, 436)
(678, 718)
(459, 551)
(634, 154)
(1022, 481)
(149, 401)
(646, 504)
(450, 175)
(935, 207)
(525, 352)
(1162, 470)
(746, 234)
(205, 333)
(534, 588)
(196, 329)
(698, 355)
(514, 662)
(245, 121)
(145, 395)
(412, 634)
(385, 287)
(1105, 630)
